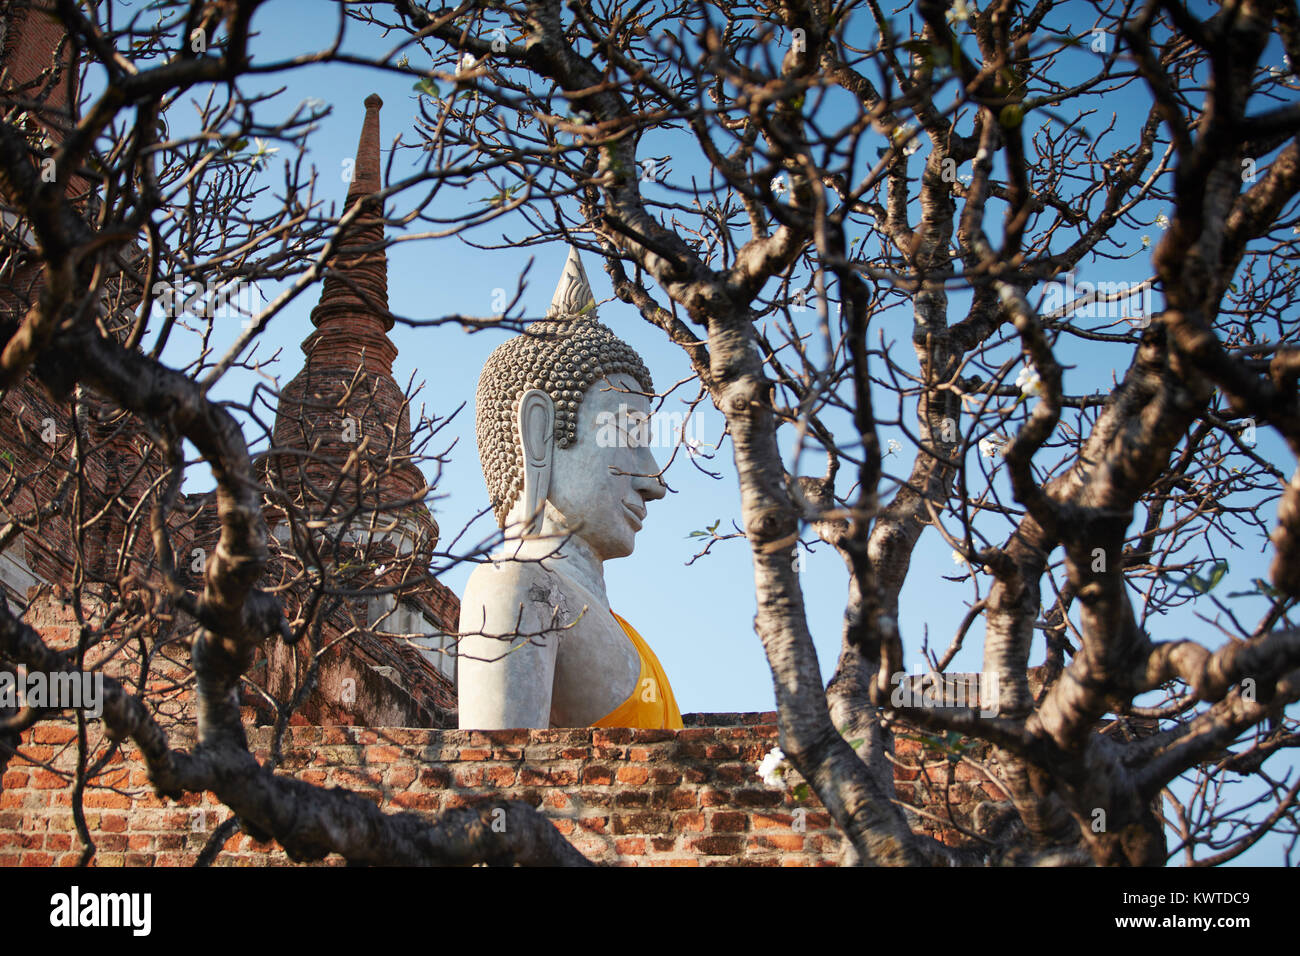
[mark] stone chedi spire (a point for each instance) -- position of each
(352, 315)
(345, 396)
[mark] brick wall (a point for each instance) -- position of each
(623, 797)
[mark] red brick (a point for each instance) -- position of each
(665, 775)
(107, 799)
(468, 776)
(53, 734)
(757, 798)
(693, 821)
(730, 821)
(635, 776)
(646, 822)
(382, 753)
(37, 858)
(788, 842)
(44, 780)
(435, 777)
(547, 777)
(598, 776)
(630, 846)
(731, 773)
(13, 778)
(399, 778)
(717, 845)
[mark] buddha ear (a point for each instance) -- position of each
(537, 431)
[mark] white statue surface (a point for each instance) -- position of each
(561, 421)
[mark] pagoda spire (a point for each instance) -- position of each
(352, 319)
(345, 392)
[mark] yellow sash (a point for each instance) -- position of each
(652, 704)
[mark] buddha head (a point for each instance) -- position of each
(561, 413)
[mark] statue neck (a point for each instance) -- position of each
(562, 551)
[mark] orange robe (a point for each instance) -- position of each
(652, 704)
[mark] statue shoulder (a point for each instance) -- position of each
(500, 588)
(509, 593)
(501, 578)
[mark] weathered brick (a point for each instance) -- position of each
(647, 822)
(757, 798)
(630, 846)
(634, 776)
(728, 821)
(547, 777)
(787, 842)
(717, 845)
(382, 753)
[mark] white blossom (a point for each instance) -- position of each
(895, 446)
(907, 136)
(772, 768)
(1162, 221)
(778, 185)
(958, 558)
(259, 155)
(1146, 241)
(990, 448)
(467, 63)
(960, 12)
(1029, 382)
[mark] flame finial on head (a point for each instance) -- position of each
(573, 294)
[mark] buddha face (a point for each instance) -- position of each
(601, 484)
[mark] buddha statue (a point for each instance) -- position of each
(561, 424)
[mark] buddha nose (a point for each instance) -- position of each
(649, 487)
(647, 483)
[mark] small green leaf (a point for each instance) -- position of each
(427, 86)
(801, 791)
